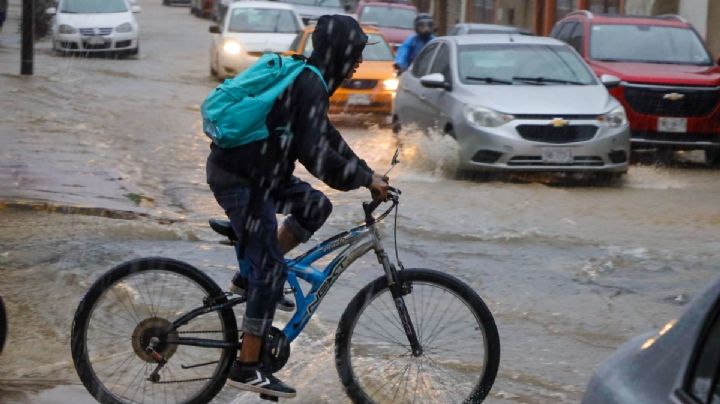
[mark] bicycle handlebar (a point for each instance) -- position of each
(369, 207)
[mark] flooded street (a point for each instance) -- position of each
(103, 161)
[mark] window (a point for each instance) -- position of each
(704, 381)
(388, 16)
(441, 64)
(377, 51)
(483, 11)
(296, 42)
(648, 44)
(564, 32)
(248, 19)
(520, 64)
(422, 61)
(576, 38)
(565, 7)
(319, 3)
(93, 6)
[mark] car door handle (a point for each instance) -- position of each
(422, 97)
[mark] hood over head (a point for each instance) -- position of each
(338, 43)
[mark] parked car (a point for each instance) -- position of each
(519, 103)
(176, 2)
(680, 363)
(472, 29)
(251, 28)
(311, 10)
(202, 8)
(90, 26)
(395, 20)
(372, 87)
(670, 83)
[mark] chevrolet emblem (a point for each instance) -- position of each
(559, 122)
(673, 96)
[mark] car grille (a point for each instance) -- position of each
(658, 100)
(359, 84)
(95, 31)
(557, 135)
(105, 45)
(537, 161)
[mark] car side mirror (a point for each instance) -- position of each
(51, 11)
(610, 81)
(435, 80)
(348, 8)
(136, 9)
(214, 29)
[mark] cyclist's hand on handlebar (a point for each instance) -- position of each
(379, 187)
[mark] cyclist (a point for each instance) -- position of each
(411, 47)
(254, 181)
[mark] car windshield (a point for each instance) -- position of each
(317, 3)
(375, 52)
(645, 43)
(390, 17)
(262, 20)
(93, 6)
(522, 64)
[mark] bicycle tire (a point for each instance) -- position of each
(467, 295)
(123, 271)
(3, 325)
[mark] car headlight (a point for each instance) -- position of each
(126, 27)
(615, 118)
(485, 117)
(391, 84)
(232, 48)
(67, 29)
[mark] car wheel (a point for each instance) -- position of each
(712, 157)
(396, 125)
(664, 156)
(607, 179)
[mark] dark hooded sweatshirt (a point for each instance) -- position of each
(338, 42)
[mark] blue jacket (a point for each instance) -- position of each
(410, 48)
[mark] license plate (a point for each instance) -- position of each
(96, 41)
(358, 99)
(558, 155)
(675, 125)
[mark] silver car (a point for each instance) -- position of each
(680, 363)
(516, 103)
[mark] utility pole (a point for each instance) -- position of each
(28, 25)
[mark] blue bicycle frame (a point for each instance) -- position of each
(357, 242)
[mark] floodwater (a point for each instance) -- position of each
(103, 161)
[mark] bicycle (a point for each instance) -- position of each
(383, 343)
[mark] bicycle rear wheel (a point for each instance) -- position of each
(457, 334)
(134, 302)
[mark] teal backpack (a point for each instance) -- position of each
(234, 113)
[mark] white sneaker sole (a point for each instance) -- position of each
(259, 390)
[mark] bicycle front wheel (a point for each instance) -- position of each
(135, 303)
(457, 334)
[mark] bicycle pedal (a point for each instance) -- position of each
(269, 398)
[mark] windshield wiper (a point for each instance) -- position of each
(492, 80)
(541, 79)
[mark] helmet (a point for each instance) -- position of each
(424, 24)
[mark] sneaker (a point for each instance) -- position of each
(284, 304)
(251, 378)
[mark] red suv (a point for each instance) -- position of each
(669, 83)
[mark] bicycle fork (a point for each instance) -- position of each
(397, 291)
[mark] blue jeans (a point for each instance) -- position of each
(252, 214)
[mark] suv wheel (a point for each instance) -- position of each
(712, 156)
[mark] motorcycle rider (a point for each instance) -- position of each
(411, 47)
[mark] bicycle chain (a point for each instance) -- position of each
(191, 380)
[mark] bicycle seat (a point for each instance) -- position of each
(223, 227)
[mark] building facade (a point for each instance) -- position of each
(539, 16)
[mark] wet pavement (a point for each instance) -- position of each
(103, 161)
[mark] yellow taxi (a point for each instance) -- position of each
(372, 87)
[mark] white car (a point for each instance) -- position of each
(249, 29)
(95, 26)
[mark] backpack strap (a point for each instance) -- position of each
(317, 72)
